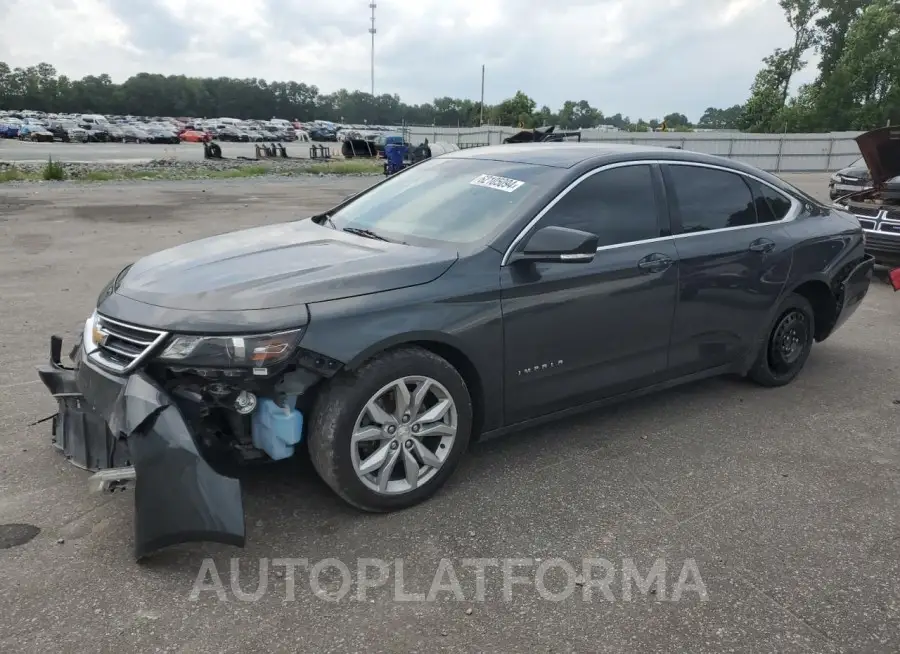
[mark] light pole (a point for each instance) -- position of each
(372, 32)
(481, 119)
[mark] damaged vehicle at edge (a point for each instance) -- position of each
(877, 207)
(469, 295)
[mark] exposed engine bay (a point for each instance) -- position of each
(239, 418)
(871, 202)
(880, 149)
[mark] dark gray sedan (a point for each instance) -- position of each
(469, 295)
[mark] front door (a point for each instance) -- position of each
(574, 332)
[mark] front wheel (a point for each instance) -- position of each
(788, 344)
(388, 435)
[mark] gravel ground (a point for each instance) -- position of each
(783, 501)
(12, 150)
(88, 161)
(173, 169)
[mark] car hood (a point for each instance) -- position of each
(855, 172)
(276, 266)
(880, 149)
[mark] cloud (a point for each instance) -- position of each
(643, 58)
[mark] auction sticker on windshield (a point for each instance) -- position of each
(497, 183)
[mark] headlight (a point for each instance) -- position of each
(92, 336)
(251, 351)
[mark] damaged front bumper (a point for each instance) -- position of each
(128, 429)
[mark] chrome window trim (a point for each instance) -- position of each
(793, 212)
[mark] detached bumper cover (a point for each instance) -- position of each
(105, 421)
(854, 288)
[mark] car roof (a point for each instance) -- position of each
(569, 155)
(556, 154)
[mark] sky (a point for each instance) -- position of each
(641, 58)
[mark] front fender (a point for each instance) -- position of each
(421, 336)
(459, 314)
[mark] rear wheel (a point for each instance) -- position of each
(788, 344)
(388, 435)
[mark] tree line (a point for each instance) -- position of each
(857, 87)
(41, 88)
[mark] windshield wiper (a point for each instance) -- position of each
(368, 233)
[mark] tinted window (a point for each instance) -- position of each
(711, 199)
(770, 204)
(618, 205)
(447, 200)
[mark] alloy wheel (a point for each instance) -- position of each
(403, 435)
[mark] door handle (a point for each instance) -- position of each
(763, 245)
(654, 263)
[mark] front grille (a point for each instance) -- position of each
(124, 346)
(867, 224)
(886, 243)
(893, 228)
(871, 212)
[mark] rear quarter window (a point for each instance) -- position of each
(771, 205)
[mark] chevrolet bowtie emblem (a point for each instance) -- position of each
(99, 336)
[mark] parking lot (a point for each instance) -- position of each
(784, 501)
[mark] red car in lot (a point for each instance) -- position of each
(195, 136)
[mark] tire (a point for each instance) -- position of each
(341, 408)
(776, 366)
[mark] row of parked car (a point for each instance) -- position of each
(94, 128)
(38, 126)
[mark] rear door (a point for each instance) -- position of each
(578, 331)
(734, 258)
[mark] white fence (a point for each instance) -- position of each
(773, 152)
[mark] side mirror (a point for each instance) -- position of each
(558, 245)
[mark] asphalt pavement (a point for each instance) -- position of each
(771, 515)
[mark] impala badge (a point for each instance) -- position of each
(541, 367)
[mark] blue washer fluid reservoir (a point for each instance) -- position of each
(276, 430)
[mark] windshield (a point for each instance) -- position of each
(446, 200)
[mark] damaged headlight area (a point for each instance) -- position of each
(241, 392)
(259, 352)
(177, 415)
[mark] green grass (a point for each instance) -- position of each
(244, 171)
(56, 171)
(13, 174)
(348, 167)
(53, 171)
